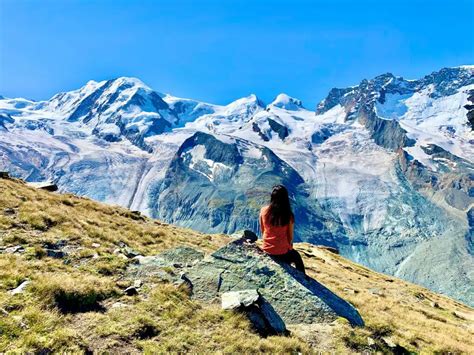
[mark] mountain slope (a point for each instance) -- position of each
(161, 317)
(385, 167)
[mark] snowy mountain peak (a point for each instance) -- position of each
(129, 82)
(287, 102)
(243, 108)
(251, 99)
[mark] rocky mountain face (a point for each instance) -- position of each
(382, 170)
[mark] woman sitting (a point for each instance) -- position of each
(277, 224)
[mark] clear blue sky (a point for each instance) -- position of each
(218, 51)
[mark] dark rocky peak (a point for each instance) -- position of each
(335, 97)
(215, 149)
(470, 109)
(447, 81)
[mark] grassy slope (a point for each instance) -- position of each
(163, 318)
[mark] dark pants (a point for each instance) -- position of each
(291, 257)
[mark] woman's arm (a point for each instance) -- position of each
(291, 227)
(262, 227)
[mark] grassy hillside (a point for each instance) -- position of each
(77, 303)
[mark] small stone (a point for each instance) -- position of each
(434, 305)
(116, 251)
(95, 256)
(129, 252)
(58, 254)
(350, 290)
(14, 249)
(137, 283)
(375, 291)
(19, 319)
(9, 211)
(131, 291)
(237, 299)
(21, 288)
(250, 236)
(119, 305)
(370, 341)
(389, 342)
(95, 245)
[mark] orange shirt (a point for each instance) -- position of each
(276, 239)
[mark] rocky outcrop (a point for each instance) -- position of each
(284, 294)
(278, 128)
(470, 109)
(45, 185)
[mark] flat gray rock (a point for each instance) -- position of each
(236, 299)
(21, 288)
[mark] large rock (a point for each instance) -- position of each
(46, 185)
(290, 295)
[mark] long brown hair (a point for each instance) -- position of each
(280, 209)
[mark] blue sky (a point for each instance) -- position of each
(218, 51)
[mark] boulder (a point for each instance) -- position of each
(46, 185)
(286, 295)
(4, 175)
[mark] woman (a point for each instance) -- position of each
(277, 223)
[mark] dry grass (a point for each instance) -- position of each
(412, 316)
(78, 305)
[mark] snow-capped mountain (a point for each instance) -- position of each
(382, 170)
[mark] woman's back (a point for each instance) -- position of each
(276, 239)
